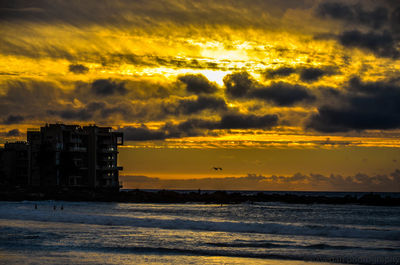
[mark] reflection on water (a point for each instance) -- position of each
(268, 233)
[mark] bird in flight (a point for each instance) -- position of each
(217, 168)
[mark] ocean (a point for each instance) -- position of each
(258, 233)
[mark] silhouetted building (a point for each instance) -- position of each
(68, 156)
(14, 164)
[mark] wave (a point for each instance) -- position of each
(158, 250)
(270, 245)
(201, 225)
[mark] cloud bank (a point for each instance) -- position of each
(298, 181)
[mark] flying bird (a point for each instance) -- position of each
(217, 168)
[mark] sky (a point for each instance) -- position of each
(280, 94)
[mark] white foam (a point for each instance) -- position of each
(45, 213)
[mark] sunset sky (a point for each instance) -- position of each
(281, 94)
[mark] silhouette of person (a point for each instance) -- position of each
(54, 208)
(62, 207)
(35, 206)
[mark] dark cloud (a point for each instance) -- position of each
(382, 44)
(243, 121)
(283, 94)
(44, 100)
(382, 23)
(13, 119)
(200, 127)
(175, 62)
(196, 127)
(106, 87)
(78, 69)
(369, 105)
(242, 85)
(238, 84)
(282, 71)
(198, 84)
(395, 20)
(136, 13)
(192, 127)
(336, 11)
(81, 114)
(99, 111)
(132, 88)
(25, 98)
(190, 106)
(13, 133)
(311, 74)
(142, 133)
(375, 18)
(189, 128)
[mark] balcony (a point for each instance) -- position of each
(108, 150)
(108, 158)
(77, 149)
(75, 140)
(109, 167)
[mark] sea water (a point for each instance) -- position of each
(259, 233)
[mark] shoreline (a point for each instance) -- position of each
(171, 196)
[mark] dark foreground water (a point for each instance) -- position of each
(267, 233)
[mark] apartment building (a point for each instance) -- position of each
(69, 156)
(14, 164)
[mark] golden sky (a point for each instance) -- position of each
(260, 87)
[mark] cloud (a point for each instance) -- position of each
(381, 44)
(375, 18)
(366, 105)
(298, 181)
(229, 183)
(28, 98)
(395, 19)
(238, 84)
(373, 30)
(106, 87)
(142, 133)
(281, 71)
(13, 119)
(306, 74)
(247, 121)
(190, 127)
(82, 114)
(125, 12)
(13, 133)
(78, 69)
(282, 94)
(177, 62)
(190, 106)
(106, 112)
(196, 127)
(311, 74)
(198, 84)
(242, 85)
(200, 127)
